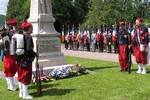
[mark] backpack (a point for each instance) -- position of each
(18, 41)
(6, 43)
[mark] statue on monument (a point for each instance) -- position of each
(43, 6)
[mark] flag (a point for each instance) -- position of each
(88, 33)
(114, 32)
(62, 35)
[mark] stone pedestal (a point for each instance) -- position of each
(44, 34)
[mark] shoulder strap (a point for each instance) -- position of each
(24, 42)
(138, 36)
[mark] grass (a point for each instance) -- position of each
(1, 65)
(104, 83)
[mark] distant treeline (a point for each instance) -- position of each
(2, 20)
(91, 13)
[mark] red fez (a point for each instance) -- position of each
(12, 22)
(140, 19)
(26, 25)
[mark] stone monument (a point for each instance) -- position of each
(44, 34)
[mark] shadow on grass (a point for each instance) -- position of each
(44, 85)
(148, 71)
(53, 92)
(134, 70)
(101, 67)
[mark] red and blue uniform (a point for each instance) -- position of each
(123, 41)
(140, 37)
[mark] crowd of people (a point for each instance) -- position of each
(122, 39)
(17, 44)
(101, 39)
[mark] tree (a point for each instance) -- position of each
(68, 12)
(20, 11)
(2, 20)
(110, 11)
(65, 11)
(91, 13)
(93, 16)
(102, 12)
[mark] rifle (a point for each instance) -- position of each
(38, 80)
(129, 54)
(130, 60)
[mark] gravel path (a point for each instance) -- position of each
(93, 55)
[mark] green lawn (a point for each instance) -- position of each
(104, 83)
(1, 66)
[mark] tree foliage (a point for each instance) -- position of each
(2, 20)
(68, 12)
(18, 9)
(86, 12)
(65, 11)
(110, 11)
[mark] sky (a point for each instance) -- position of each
(3, 6)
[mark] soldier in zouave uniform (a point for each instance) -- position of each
(140, 44)
(23, 44)
(123, 43)
(9, 62)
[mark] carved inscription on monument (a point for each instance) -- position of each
(47, 45)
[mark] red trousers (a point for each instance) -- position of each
(123, 57)
(24, 74)
(9, 65)
(141, 57)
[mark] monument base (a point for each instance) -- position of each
(48, 71)
(49, 50)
